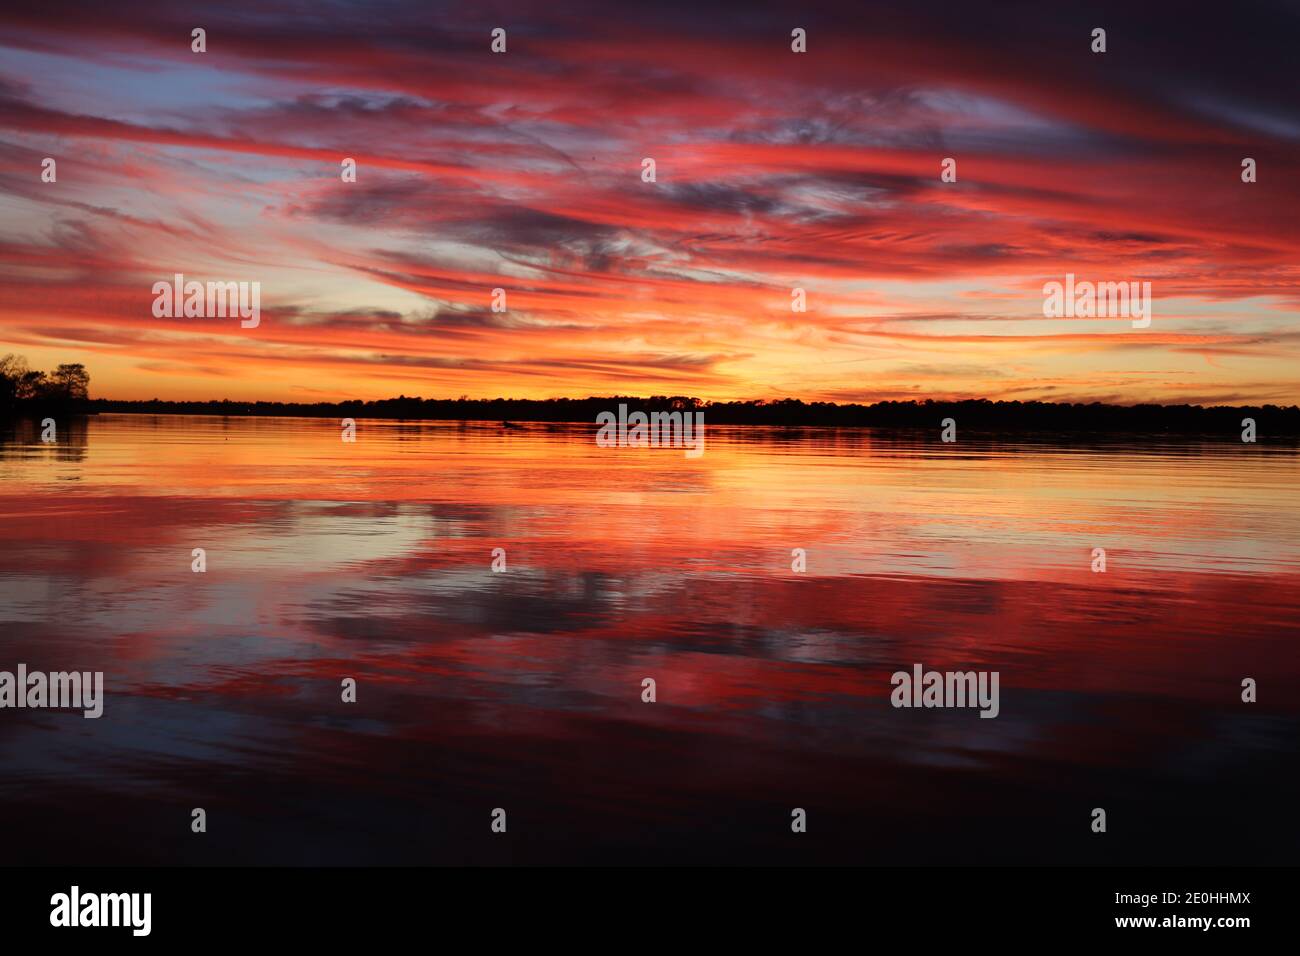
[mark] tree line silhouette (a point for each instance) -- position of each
(976, 414)
(22, 388)
(66, 389)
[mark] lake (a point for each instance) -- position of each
(521, 687)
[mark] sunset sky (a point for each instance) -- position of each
(775, 170)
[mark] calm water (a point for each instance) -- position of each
(522, 689)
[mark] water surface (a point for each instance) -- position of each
(522, 689)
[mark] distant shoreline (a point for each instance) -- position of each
(973, 414)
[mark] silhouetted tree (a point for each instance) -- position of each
(70, 382)
(12, 369)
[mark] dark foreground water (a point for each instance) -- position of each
(522, 689)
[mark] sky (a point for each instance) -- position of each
(774, 171)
